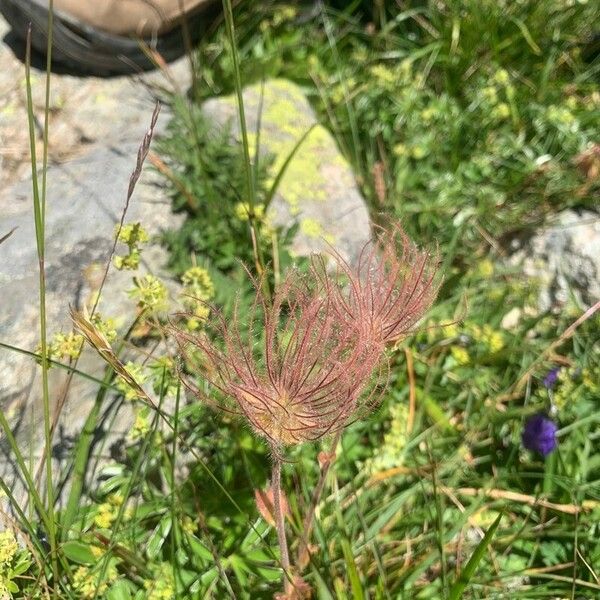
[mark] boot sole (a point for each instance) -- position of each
(86, 49)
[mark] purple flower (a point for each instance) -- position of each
(551, 378)
(539, 434)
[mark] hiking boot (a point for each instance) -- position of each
(109, 36)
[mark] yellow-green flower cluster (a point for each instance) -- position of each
(188, 525)
(162, 587)
(499, 95)
(8, 548)
(137, 372)
(141, 425)
(198, 289)
(5, 584)
(390, 454)
(198, 281)
(14, 561)
(384, 76)
(561, 117)
(492, 339)
(63, 346)
(68, 346)
(283, 15)
(151, 294)
(86, 580)
(460, 355)
(243, 211)
(133, 235)
(484, 340)
(107, 511)
(572, 382)
(106, 326)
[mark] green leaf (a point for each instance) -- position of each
(119, 590)
(357, 591)
(79, 553)
(158, 537)
(199, 549)
(469, 570)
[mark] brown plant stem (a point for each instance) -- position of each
(309, 519)
(280, 522)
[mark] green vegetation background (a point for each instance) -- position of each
(465, 120)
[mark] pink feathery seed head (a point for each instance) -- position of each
(390, 288)
(307, 375)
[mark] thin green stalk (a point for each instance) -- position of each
(309, 518)
(37, 500)
(39, 217)
(280, 522)
(59, 365)
(439, 512)
(250, 181)
(47, 105)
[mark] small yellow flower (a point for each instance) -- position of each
(400, 150)
(428, 114)
(494, 340)
(134, 236)
(419, 152)
(460, 354)
(501, 111)
(198, 279)
(106, 326)
(485, 268)
(131, 234)
(490, 94)
(162, 586)
(188, 525)
(105, 516)
(86, 580)
(451, 331)
(64, 346)
(384, 75)
(502, 77)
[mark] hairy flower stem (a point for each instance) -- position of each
(309, 519)
(279, 521)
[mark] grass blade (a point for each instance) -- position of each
(469, 570)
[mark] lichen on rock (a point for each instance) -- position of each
(317, 190)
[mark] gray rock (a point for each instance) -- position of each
(318, 191)
(85, 202)
(564, 258)
(96, 127)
